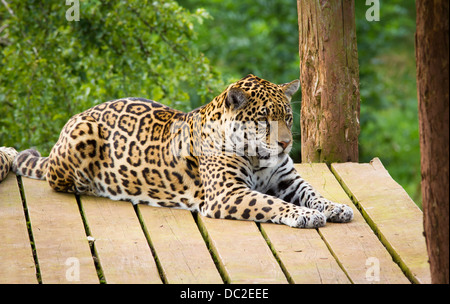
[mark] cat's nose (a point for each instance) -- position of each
(284, 144)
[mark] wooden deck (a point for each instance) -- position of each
(50, 237)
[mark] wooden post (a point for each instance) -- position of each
(329, 75)
(432, 89)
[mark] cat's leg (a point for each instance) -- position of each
(228, 196)
(288, 185)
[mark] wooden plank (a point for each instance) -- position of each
(357, 248)
(304, 256)
(16, 257)
(179, 246)
(390, 212)
(60, 239)
(120, 242)
(241, 251)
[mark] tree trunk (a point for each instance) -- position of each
(432, 90)
(329, 74)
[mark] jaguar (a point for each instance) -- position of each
(228, 159)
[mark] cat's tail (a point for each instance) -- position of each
(6, 159)
(29, 163)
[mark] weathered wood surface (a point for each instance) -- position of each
(241, 251)
(120, 243)
(179, 246)
(61, 245)
(98, 240)
(354, 244)
(390, 212)
(16, 256)
(304, 256)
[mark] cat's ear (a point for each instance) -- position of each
(290, 88)
(236, 98)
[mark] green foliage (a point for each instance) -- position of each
(389, 116)
(259, 36)
(51, 69)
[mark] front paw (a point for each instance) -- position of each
(339, 213)
(302, 217)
